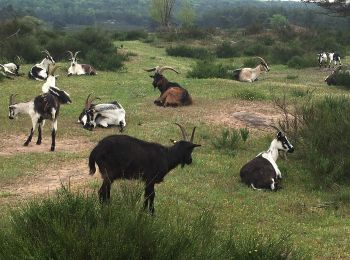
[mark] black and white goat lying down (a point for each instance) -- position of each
(40, 71)
(12, 68)
(42, 107)
(262, 172)
(104, 115)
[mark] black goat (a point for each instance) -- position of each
(171, 93)
(126, 157)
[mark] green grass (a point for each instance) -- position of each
(212, 181)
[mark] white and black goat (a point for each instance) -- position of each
(126, 157)
(322, 58)
(40, 71)
(12, 68)
(251, 74)
(79, 69)
(104, 115)
(45, 106)
(6, 72)
(262, 172)
(334, 58)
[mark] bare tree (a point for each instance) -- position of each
(334, 7)
(161, 11)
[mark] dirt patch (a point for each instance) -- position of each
(12, 145)
(238, 114)
(72, 176)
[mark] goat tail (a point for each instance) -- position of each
(92, 162)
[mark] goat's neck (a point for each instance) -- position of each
(163, 86)
(45, 63)
(25, 108)
(258, 69)
(174, 157)
(273, 151)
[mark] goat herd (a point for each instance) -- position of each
(126, 157)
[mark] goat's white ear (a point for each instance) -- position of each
(173, 141)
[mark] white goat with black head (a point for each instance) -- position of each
(322, 59)
(262, 172)
(334, 57)
(40, 71)
(104, 115)
(79, 69)
(12, 68)
(251, 74)
(45, 106)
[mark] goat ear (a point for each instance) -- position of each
(196, 145)
(173, 141)
(151, 76)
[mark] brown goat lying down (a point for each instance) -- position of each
(171, 93)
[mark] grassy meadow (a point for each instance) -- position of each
(307, 214)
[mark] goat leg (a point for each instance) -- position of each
(149, 198)
(29, 139)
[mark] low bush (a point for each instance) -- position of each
(204, 69)
(326, 138)
(251, 62)
(76, 226)
(300, 62)
(188, 51)
(256, 49)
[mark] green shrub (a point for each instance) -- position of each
(227, 50)
(281, 53)
(255, 49)
(342, 78)
(326, 138)
(188, 51)
(76, 226)
(230, 139)
(300, 62)
(204, 69)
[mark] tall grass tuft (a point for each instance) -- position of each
(205, 69)
(189, 51)
(326, 138)
(76, 226)
(230, 140)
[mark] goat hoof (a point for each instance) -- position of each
(52, 148)
(25, 144)
(38, 142)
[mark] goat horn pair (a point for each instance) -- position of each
(76, 53)
(12, 99)
(19, 59)
(160, 70)
(275, 127)
(46, 52)
(184, 134)
(88, 102)
(261, 59)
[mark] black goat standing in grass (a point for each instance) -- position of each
(126, 157)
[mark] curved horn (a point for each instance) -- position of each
(46, 52)
(87, 103)
(76, 53)
(192, 135)
(19, 58)
(71, 53)
(160, 70)
(275, 127)
(12, 99)
(183, 131)
(261, 59)
(152, 69)
(52, 71)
